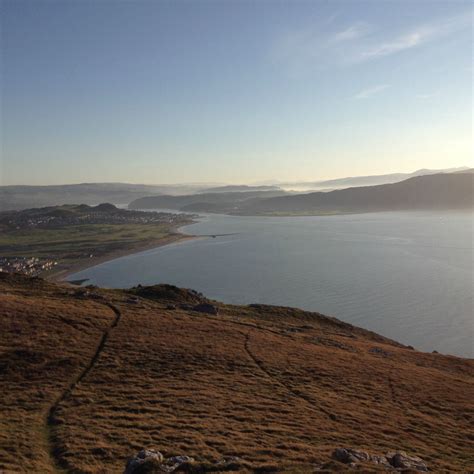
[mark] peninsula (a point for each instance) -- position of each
(59, 240)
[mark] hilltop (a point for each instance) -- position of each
(90, 376)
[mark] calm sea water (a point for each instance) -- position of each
(408, 276)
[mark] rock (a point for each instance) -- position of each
(144, 461)
(379, 460)
(171, 307)
(379, 351)
(348, 456)
(173, 463)
(354, 456)
(81, 293)
(230, 463)
(333, 343)
(206, 308)
(179, 459)
(132, 300)
(150, 461)
(96, 296)
(402, 460)
(294, 329)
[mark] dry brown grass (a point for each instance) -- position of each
(274, 386)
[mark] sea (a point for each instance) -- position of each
(406, 275)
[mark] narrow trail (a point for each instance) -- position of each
(51, 419)
(391, 387)
(240, 323)
(308, 400)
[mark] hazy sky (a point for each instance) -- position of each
(232, 91)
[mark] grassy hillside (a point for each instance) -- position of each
(89, 377)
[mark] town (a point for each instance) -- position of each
(45, 241)
(70, 215)
(31, 266)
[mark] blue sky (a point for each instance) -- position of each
(237, 91)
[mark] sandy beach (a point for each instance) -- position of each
(61, 274)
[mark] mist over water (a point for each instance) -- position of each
(408, 276)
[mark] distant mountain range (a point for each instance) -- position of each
(373, 180)
(205, 196)
(430, 192)
(219, 202)
(25, 197)
(239, 188)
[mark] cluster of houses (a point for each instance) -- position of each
(31, 266)
(22, 221)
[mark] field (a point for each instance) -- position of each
(79, 240)
(90, 377)
(86, 245)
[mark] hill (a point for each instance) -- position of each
(23, 197)
(371, 180)
(430, 192)
(90, 376)
(205, 202)
(239, 188)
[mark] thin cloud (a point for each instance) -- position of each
(358, 30)
(368, 93)
(398, 44)
(322, 46)
(416, 37)
(426, 96)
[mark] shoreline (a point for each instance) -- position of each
(61, 275)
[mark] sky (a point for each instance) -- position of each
(232, 91)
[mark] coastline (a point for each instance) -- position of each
(61, 275)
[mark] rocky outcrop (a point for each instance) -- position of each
(379, 351)
(398, 460)
(152, 461)
(206, 308)
(402, 460)
(352, 456)
(168, 293)
(149, 461)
